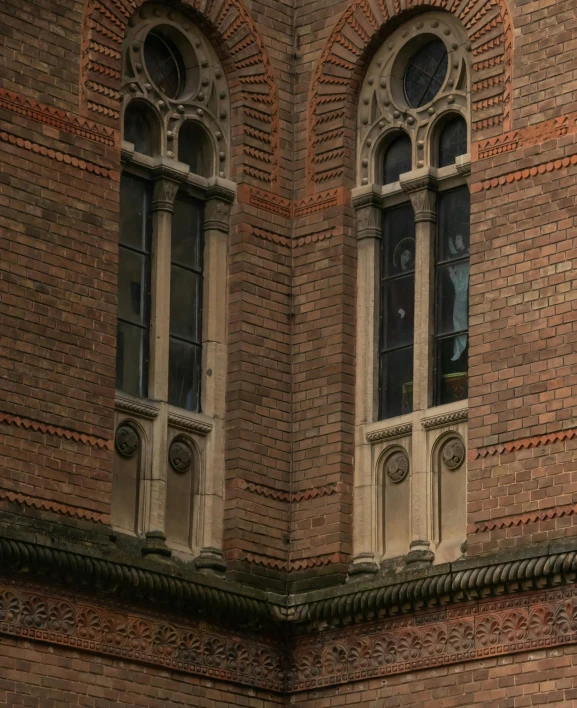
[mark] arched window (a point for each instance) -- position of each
(173, 224)
(413, 216)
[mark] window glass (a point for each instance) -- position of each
(194, 148)
(397, 312)
(164, 63)
(398, 158)
(186, 281)
(452, 295)
(141, 128)
(133, 286)
(425, 73)
(452, 141)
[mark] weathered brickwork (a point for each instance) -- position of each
(294, 69)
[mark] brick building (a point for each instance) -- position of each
(287, 347)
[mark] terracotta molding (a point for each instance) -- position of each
(60, 156)
(47, 429)
(55, 507)
(267, 201)
(291, 497)
(193, 647)
(526, 173)
(292, 565)
(104, 24)
(440, 638)
(334, 84)
(529, 517)
(62, 120)
(525, 137)
(320, 201)
(525, 443)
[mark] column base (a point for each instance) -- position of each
(211, 560)
(362, 567)
(419, 555)
(156, 545)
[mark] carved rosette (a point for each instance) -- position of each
(397, 466)
(126, 441)
(453, 454)
(180, 456)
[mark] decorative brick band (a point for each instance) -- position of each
(278, 564)
(77, 622)
(57, 508)
(321, 201)
(439, 638)
(524, 444)
(290, 497)
(47, 429)
(519, 175)
(62, 120)
(530, 517)
(60, 156)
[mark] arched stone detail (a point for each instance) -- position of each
(254, 92)
(338, 75)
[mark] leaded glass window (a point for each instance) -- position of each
(452, 141)
(397, 158)
(425, 73)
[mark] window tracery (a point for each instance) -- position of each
(413, 213)
(171, 344)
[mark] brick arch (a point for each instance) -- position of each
(338, 75)
(228, 25)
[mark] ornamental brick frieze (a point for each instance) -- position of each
(80, 622)
(440, 638)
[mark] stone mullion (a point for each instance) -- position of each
(421, 189)
(154, 484)
(366, 547)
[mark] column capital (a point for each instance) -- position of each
(165, 191)
(421, 187)
(368, 204)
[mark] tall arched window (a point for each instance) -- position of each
(174, 207)
(413, 210)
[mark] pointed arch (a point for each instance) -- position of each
(253, 86)
(338, 74)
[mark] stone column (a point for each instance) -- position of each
(219, 198)
(368, 204)
(420, 186)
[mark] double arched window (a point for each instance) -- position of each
(413, 210)
(171, 346)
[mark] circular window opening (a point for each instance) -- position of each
(165, 63)
(425, 73)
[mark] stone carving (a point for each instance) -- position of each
(335, 82)
(126, 441)
(180, 456)
(453, 454)
(397, 466)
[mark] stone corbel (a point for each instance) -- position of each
(367, 202)
(421, 185)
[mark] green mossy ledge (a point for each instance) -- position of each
(79, 558)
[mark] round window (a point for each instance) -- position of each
(164, 63)
(425, 73)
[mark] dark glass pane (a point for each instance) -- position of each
(164, 63)
(396, 395)
(141, 128)
(185, 304)
(398, 244)
(452, 141)
(187, 233)
(452, 366)
(132, 286)
(194, 148)
(131, 359)
(134, 217)
(453, 298)
(425, 73)
(454, 224)
(184, 375)
(398, 159)
(399, 307)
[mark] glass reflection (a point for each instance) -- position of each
(452, 295)
(397, 312)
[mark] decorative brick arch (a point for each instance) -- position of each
(253, 87)
(338, 74)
